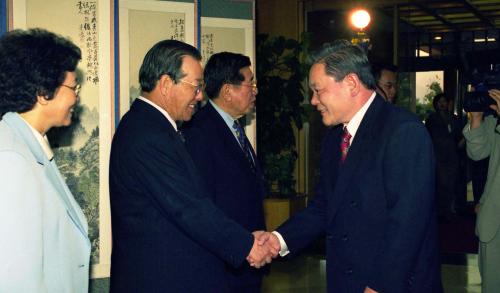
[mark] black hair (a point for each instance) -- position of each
(165, 57)
(223, 68)
(33, 63)
(437, 97)
(377, 69)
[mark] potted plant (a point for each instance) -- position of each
(281, 73)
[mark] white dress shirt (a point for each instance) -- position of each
(165, 113)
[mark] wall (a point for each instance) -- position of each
(280, 17)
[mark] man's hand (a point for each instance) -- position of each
(369, 290)
(495, 95)
(270, 239)
(477, 117)
(262, 251)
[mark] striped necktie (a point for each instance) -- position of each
(345, 144)
(181, 136)
(245, 146)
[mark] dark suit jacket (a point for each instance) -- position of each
(168, 236)
(445, 142)
(377, 209)
(228, 178)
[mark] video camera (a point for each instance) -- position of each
(479, 100)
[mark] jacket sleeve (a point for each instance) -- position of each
(480, 139)
(481, 143)
(21, 247)
(308, 225)
(169, 181)
(196, 144)
(408, 178)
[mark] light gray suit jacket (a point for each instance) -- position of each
(482, 142)
(44, 245)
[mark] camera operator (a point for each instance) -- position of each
(482, 135)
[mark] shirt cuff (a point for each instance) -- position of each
(284, 248)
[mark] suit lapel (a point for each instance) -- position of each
(146, 111)
(49, 168)
(358, 152)
(228, 138)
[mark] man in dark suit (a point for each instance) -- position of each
(168, 236)
(375, 198)
(221, 151)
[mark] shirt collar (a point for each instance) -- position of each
(227, 118)
(353, 125)
(165, 113)
(42, 140)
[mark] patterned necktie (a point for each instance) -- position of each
(344, 144)
(242, 139)
(181, 136)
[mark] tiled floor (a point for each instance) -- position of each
(306, 274)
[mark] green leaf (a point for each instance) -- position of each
(282, 73)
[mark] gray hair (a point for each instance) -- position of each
(341, 58)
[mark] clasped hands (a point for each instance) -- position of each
(266, 246)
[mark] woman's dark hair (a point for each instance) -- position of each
(438, 97)
(223, 68)
(33, 63)
(165, 57)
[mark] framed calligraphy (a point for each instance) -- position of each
(143, 24)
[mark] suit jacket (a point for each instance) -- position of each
(377, 208)
(228, 178)
(445, 142)
(44, 246)
(168, 236)
(482, 142)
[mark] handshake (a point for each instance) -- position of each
(266, 246)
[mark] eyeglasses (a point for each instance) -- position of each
(75, 88)
(252, 84)
(198, 88)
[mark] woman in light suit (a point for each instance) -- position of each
(44, 245)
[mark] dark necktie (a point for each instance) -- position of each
(181, 136)
(245, 146)
(345, 144)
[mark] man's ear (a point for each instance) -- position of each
(353, 83)
(165, 84)
(226, 92)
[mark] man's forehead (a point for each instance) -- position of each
(246, 71)
(387, 74)
(317, 69)
(192, 67)
(317, 74)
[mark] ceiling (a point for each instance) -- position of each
(431, 16)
